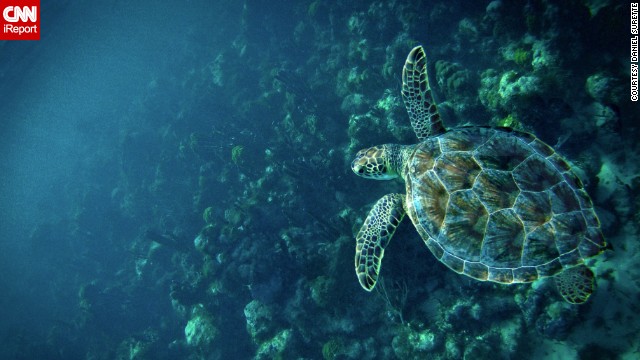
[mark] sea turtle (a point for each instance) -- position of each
(491, 203)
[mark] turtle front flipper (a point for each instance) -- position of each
(373, 237)
(576, 284)
(416, 94)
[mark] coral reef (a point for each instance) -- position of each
(259, 321)
(219, 223)
(200, 331)
(409, 344)
(276, 347)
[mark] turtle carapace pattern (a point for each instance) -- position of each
(491, 203)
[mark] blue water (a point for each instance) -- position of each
(175, 178)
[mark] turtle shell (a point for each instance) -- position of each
(499, 205)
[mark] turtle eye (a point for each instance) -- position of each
(361, 171)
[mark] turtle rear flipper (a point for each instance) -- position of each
(576, 284)
(374, 236)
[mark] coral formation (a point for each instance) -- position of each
(410, 344)
(276, 347)
(259, 321)
(521, 57)
(236, 153)
(331, 349)
(200, 331)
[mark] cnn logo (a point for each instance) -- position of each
(20, 20)
(15, 13)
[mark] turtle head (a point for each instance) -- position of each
(376, 162)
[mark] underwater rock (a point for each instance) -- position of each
(205, 241)
(607, 181)
(512, 85)
(259, 321)
(451, 348)
(480, 350)
(458, 86)
(332, 349)
(186, 294)
(352, 80)
(556, 320)
(512, 91)
(275, 347)
(510, 121)
(551, 316)
(411, 344)
(233, 216)
(511, 331)
(453, 79)
(356, 349)
(208, 215)
(494, 10)
(543, 58)
(468, 30)
(464, 314)
(518, 53)
(200, 331)
(134, 349)
(388, 101)
(516, 100)
(488, 92)
(354, 104)
(357, 23)
(605, 117)
(613, 175)
(214, 70)
(290, 238)
(321, 290)
(530, 305)
(598, 86)
(617, 182)
(395, 115)
(604, 88)
(358, 50)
